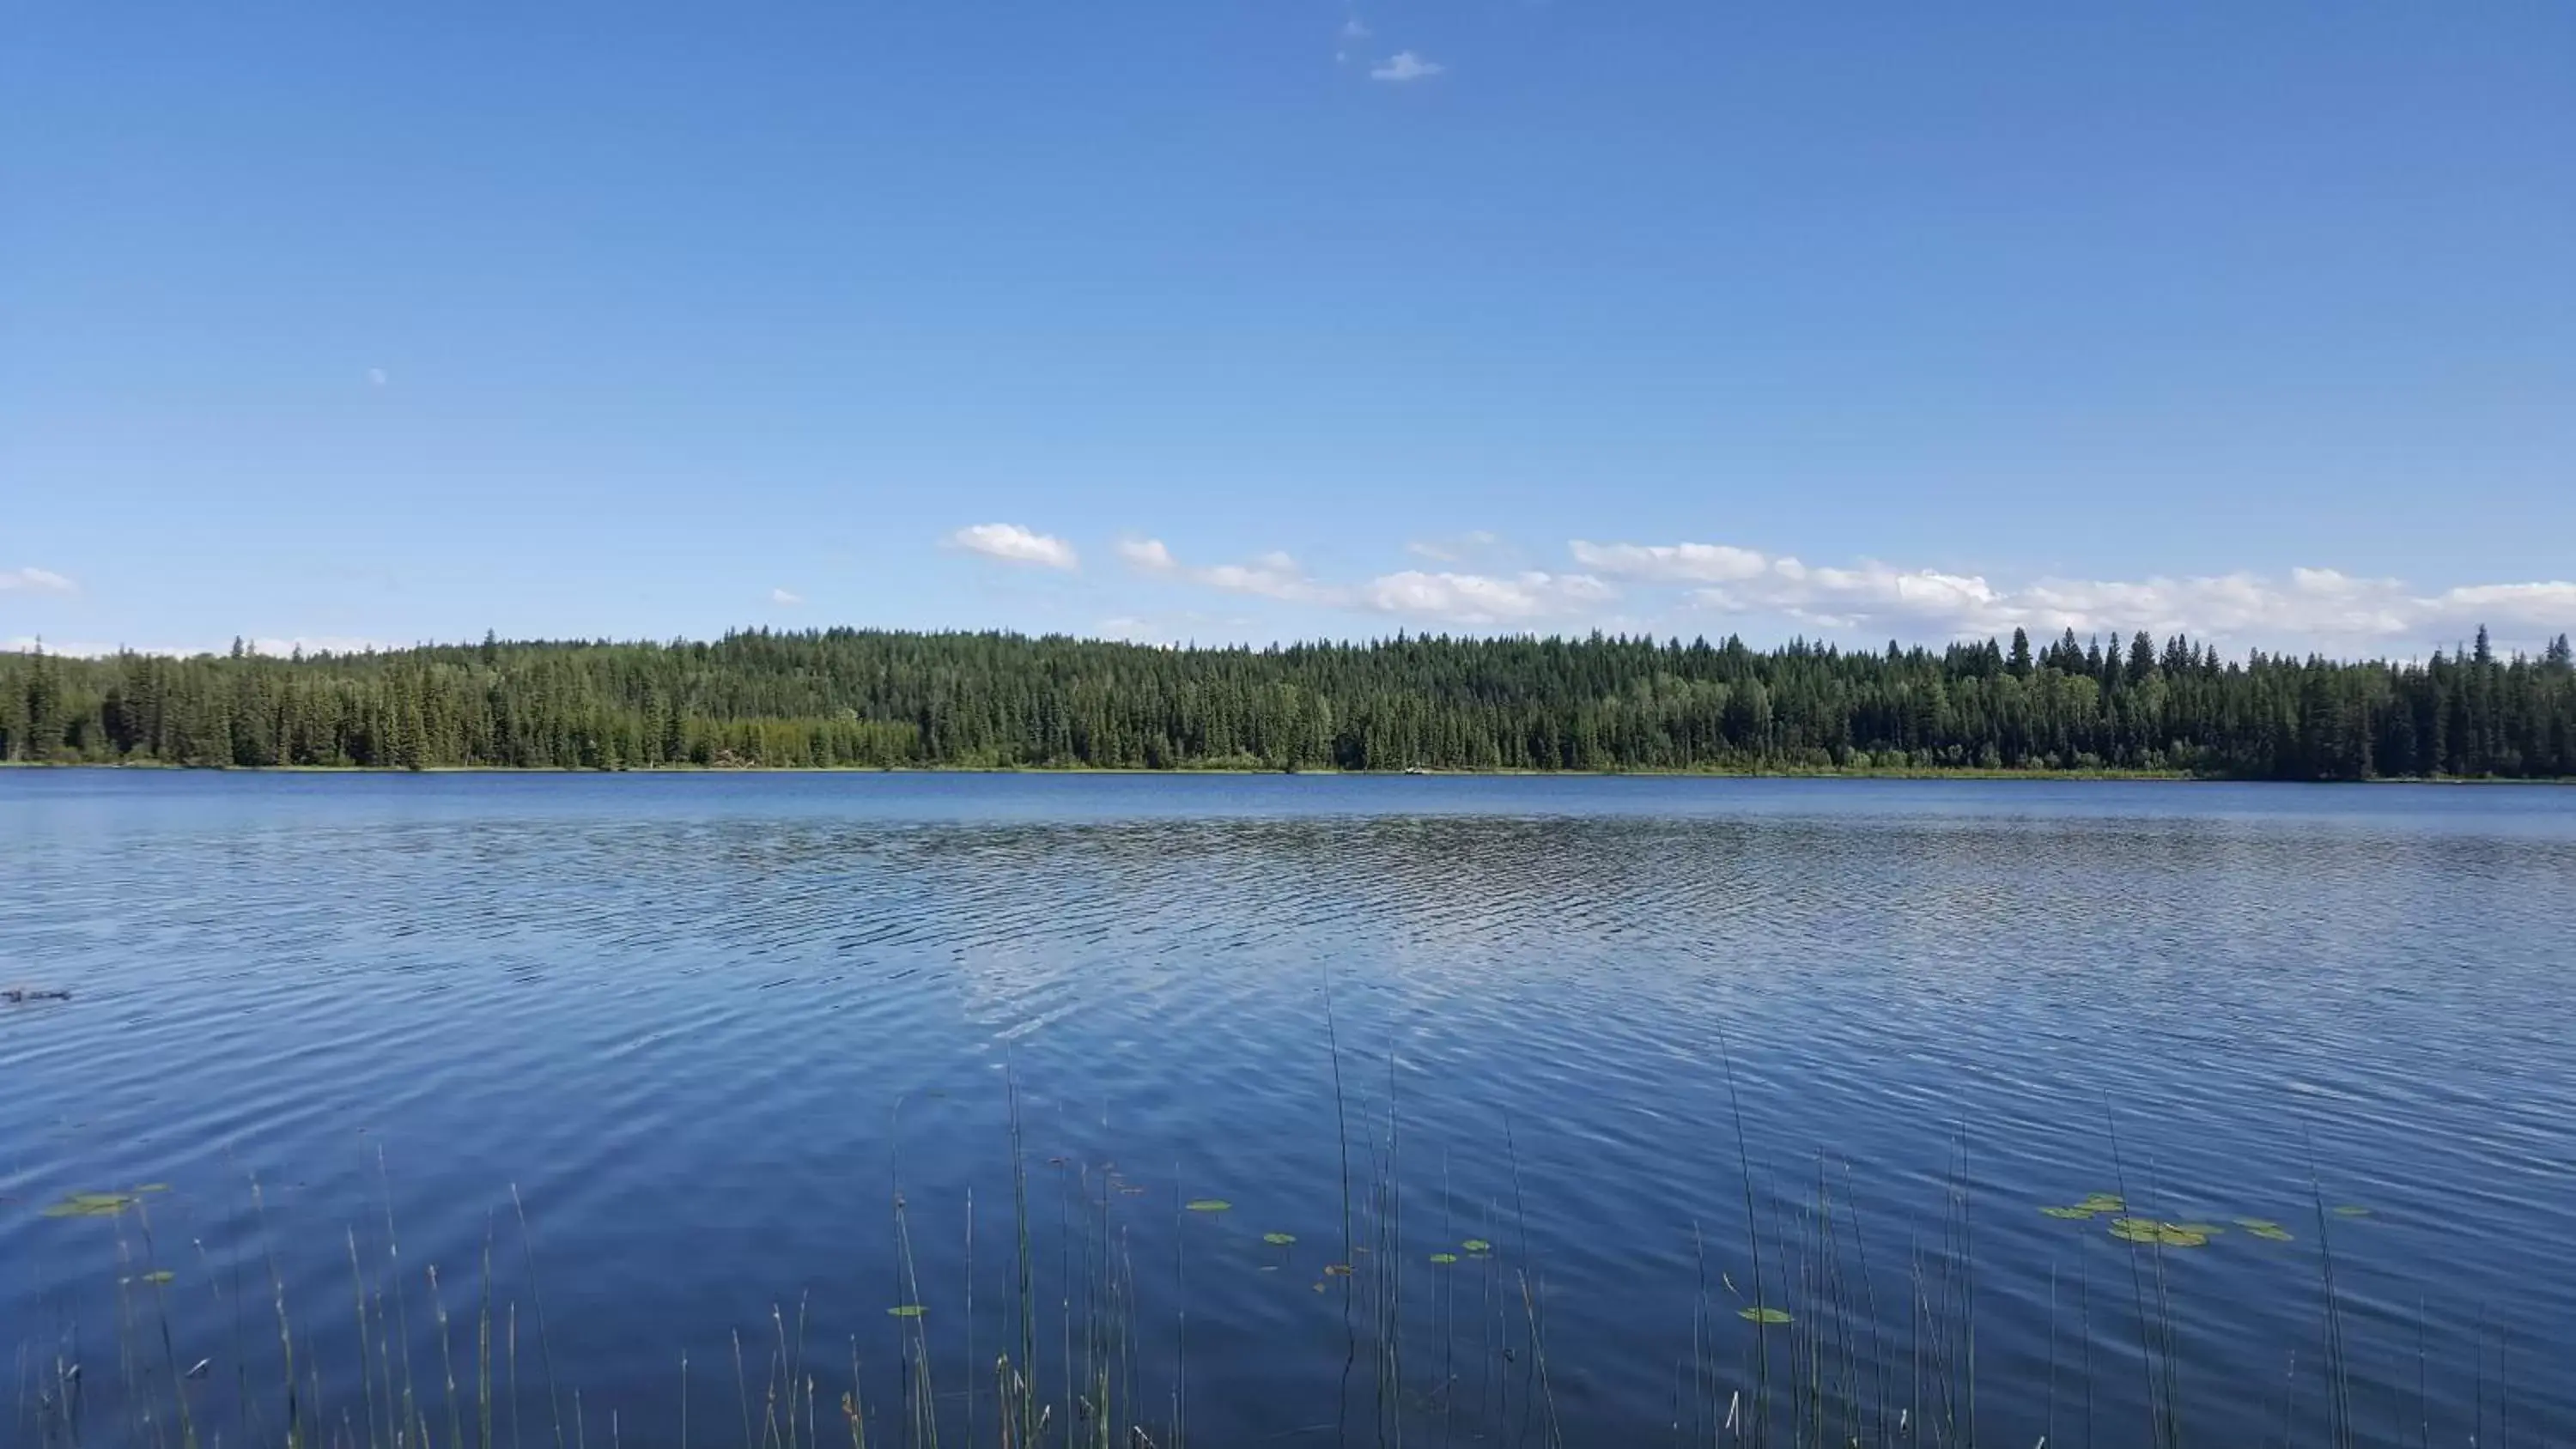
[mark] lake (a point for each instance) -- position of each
(758, 1054)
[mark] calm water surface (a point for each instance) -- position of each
(711, 1028)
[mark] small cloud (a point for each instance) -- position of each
(785, 599)
(1013, 544)
(1695, 563)
(377, 377)
(1482, 599)
(1272, 575)
(1148, 554)
(274, 648)
(1404, 65)
(36, 580)
(1354, 29)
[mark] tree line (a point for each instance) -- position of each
(873, 698)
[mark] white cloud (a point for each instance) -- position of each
(1148, 554)
(276, 648)
(376, 377)
(1355, 29)
(1700, 563)
(36, 580)
(1273, 575)
(785, 599)
(1404, 65)
(2309, 604)
(1482, 599)
(1013, 544)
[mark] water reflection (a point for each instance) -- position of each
(715, 1030)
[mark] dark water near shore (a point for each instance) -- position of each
(709, 1026)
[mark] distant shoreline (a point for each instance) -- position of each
(2171, 777)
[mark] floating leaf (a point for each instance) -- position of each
(154, 1187)
(90, 1205)
(2206, 1230)
(1477, 1245)
(1767, 1317)
(1444, 1258)
(2169, 1235)
(1319, 1286)
(2104, 1202)
(2349, 1210)
(1337, 1270)
(157, 1276)
(1278, 1240)
(2271, 1233)
(907, 1310)
(2071, 1213)
(1209, 1205)
(2256, 1225)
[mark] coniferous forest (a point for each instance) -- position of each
(866, 698)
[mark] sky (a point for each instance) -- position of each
(1256, 320)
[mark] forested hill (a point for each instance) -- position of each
(866, 698)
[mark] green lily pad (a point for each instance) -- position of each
(1767, 1317)
(1477, 1245)
(2271, 1233)
(158, 1276)
(1337, 1270)
(1209, 1205)
(2349, 1210)
(154, 1187)
(907, 1310)
(1444, 1257)
(2168, 1235)
(1278, 1240)
(2070, 1213)
(2104, 1202)
(91, 1205)
(2206, 1230)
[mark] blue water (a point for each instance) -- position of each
(711, 1027)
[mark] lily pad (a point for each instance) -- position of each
(1477, 1245)
(1767, 1317)
(2206, 1230)
(91, 1205)
(2070, 1213)
(1337, 1270)
(2104, 1202)
(2350, 1210)
(1209, 1205)
(1278, 1240)
(2168, 1235)
(158, 1276)
(154, 1187)
(1444, 1257)
(907, 1310)
(2271, 1233)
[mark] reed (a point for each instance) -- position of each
(1825, 1359)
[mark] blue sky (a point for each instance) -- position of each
(1287, 318)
